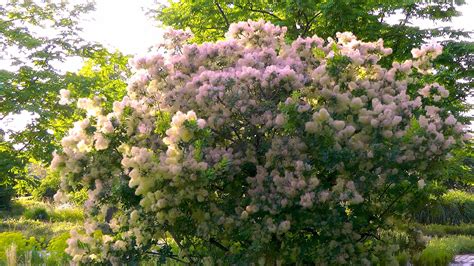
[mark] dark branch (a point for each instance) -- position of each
(394, 201)
(259, 11)
(308, 24)
(222, 13)
(219, 245)
(366, 235)
(382, 16)
(174, 257)
(310, 230)
(178, 242)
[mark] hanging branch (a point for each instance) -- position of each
(259, 11)
(308, 24)
(222, 13)
(219, 245)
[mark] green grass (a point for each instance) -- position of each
(43, 231)
(441, 251)
(36, 210)
(453, 207)
(66, 215)
(40, 220)
(16, 248)
(36, 213)
(441, 230)
(37, 231)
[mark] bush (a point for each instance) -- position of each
(78, 197)
(403, 258)
(23, 245)
(47, 188)
(56, 249)
(441, 251)
(453, 207)
(252, 149)
(6, 195)
(37, 213)
(66, 215)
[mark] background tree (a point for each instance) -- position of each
(36, 39)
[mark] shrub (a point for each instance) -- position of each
(6, 195)
(47, 188)
(66, 215)
(50, 185)
(37, 213)
(78, 197)
(403, 259)
(56, 249)
(453, 207)
(22, 244)
(255, 150)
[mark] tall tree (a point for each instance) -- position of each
(36, 39)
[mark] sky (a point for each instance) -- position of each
(123, 25)
(120, 25)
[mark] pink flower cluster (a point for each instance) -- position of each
(252, 134)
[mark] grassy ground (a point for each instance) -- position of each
(441, 250)
(444, 242)
(449, 223)
(35, 233)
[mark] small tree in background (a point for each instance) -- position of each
(251, 149)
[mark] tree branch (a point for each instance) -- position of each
(382, 16)
(174, 257)
(222, 13)
(394, 201)
(219, 245)
(401, 25)
(259, 11)
(178, 242)
(308, 24)
(368, 234)
(16, 18)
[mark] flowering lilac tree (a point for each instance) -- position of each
(251, 149)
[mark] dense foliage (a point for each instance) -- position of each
(251, 149)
